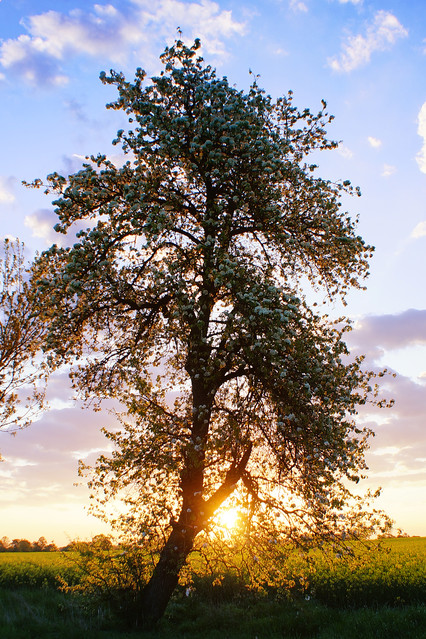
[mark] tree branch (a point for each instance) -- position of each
(232, 477)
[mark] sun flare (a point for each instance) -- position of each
(228, 518)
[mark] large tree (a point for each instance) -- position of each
(183, 298)
(22, 372)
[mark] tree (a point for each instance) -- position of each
(40, 545)
(21, 545)
(183, 298)
(22, 375)
(4, 544)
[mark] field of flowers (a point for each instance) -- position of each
(379, 594)
(390, 572)
(36, 569)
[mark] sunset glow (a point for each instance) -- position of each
(53, 114)
(228, 518)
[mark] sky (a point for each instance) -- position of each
(367, 59)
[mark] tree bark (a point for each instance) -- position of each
(164, 579)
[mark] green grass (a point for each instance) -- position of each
(307, 620)
(37, 614)
(371, 596)
(34, 614)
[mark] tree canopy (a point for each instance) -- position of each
(184, 298)
(21, 337)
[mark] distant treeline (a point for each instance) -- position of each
(41, 545)
(23, 545)
(99, 541)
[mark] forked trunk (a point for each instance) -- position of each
(193, 516)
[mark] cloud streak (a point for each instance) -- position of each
(399, 448)
(380, 35)
(389, 331)
(397, 453)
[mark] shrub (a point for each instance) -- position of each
(111, 578)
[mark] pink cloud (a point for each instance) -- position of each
(389, 331)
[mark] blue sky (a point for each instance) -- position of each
(367, 59)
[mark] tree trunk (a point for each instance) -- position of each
(194, 514)
(164, 579)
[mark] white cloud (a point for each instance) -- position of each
(344, 151)
(296, 5)
(28, 58)
(388, 170)
(350, 1)
(389, 450)
(419, 230)
(374, 142)
(6, 190)
(202, 19)
(380, 35)
(106, 9)
(53, 37)
(41, 223)
(421, 130)
(279, 51)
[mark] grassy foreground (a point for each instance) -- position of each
(34, 614)
(382, 595)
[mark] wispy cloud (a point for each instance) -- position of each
(40, 56)
(41, 223)
(421, 130)
(39, 472)
(47, 456)
(344, 151)
(204, 19)
(379, 36)
(388, 170)
(7, 195)
(374, 142)
(279, 51)
(400, 444)
(404, 426)
(419, 230)
(298, 7)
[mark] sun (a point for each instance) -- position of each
(228, 518)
